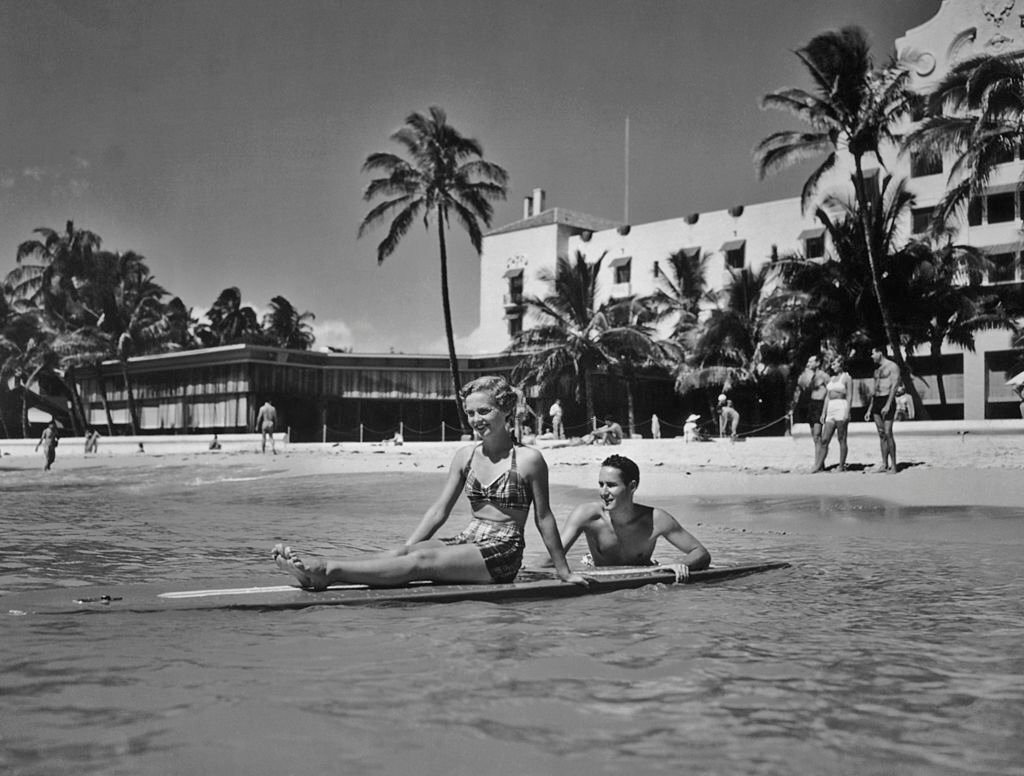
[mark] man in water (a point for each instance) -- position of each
(811, 384)
(882, 409)
(49, 442)
(621, 532)
(265, 423)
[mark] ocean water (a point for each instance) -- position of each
(895, 643)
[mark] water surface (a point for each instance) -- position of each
(894, 644)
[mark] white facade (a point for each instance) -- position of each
(750, 235)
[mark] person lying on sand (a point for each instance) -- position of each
(621, 532)
(502, 479)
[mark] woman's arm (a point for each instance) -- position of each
(439, 511)
(535, 468)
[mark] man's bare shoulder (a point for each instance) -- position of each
(663, 520)
(587, 512)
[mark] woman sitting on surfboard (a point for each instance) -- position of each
(501, 479)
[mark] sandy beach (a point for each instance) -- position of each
(949, 468)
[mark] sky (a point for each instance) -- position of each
(223, 139)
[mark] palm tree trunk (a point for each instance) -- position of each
(78, 419)
(630, 408)
(588, 394)
(449, 334)
(103, 398)
(883, 308)
(24, 413)
(132, 420)
(937, 362)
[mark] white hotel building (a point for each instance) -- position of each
(750, 234)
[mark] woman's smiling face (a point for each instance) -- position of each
(482, 413)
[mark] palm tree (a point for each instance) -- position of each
(287, 327)
(855, 108)
(445, 176)
(26, 355)
(632, 344)
(681, 289)
(950, 304)
(230, 322)
(730, 344)
(567, 345)
(49, 269)
(975, 114)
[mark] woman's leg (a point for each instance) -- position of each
(431, 560)
(842, 427)
(826, 437)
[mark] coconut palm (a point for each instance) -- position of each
(287, 327)
(681, 289)
(855, 108)
(25, 354)
(445, 177)
(633, 347)
(230, 321)
(566, 346)
(949, 301)
(976, 115)
(49, 270)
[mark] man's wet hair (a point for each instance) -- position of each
(630, 471)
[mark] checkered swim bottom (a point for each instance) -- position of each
(501, 544)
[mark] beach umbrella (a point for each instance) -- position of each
(1017, 379)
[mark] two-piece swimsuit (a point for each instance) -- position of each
(501, 542)
(838, 408)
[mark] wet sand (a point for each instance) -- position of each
(950, 469)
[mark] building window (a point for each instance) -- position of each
(515, 289)
(814, 244)
(920, 217)
(621, 270)
(515, 326)
(1004, 269)
(922, 164)
(657, 269)
(1001, 208)
(814, 247)
(735, 253)
(1006, 154)
(974, 212)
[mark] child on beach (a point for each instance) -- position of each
(621, 532)
(501, 479)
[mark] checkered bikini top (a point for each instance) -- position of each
(508, 491)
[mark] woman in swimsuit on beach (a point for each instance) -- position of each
(501, 479)
(835, 415)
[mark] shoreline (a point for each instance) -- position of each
(954, 469)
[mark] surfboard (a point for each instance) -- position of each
(530, 585)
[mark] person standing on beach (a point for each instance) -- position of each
(655, 427)
(265, 422)
(882, 409)
(620, 532)
(502, 480)
(810, 389)
(49, 442)
(556, 420)
(730, 421)
(835, 415)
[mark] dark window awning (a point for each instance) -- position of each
(621, 261)
(810, 234)
(734, 245)
(513, 273)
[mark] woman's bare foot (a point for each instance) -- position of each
(312, 576)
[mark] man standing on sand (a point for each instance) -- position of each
(49, 442)
(811, 384)
(882, 409)
(265, 423)
(556, 420)
(621, 532)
